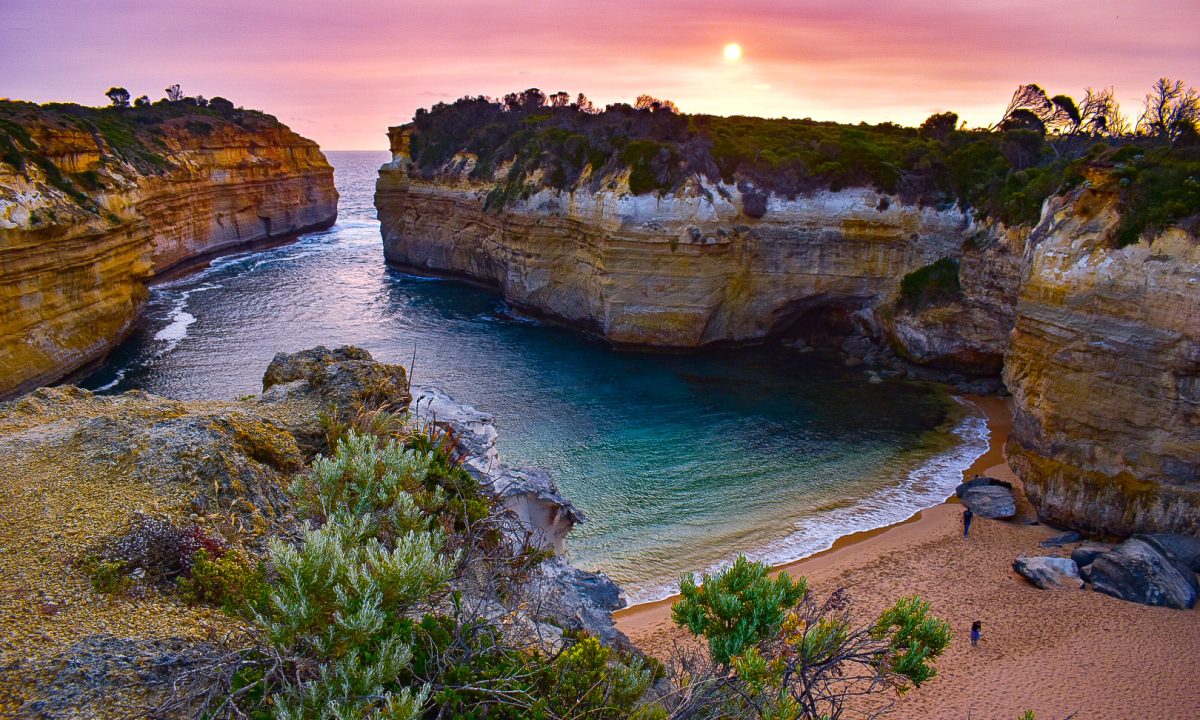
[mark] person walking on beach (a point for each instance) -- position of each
(967, 515)
(976, 632)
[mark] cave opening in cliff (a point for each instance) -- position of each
(822, 322)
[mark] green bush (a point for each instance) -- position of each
(779, 653)
(109, 576)
(737, 607)
(1158, 188)
(230, 581)
(934, 284)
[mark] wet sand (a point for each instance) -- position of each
(1056, 653)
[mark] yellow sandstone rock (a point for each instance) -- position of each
(74, 267)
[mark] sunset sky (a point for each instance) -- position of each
(341, 72)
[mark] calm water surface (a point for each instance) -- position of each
(679, 461)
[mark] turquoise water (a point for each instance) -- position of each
(679, 461)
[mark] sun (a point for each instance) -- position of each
(733, 52)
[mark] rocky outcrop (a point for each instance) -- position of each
(573, 598)
(683, 269)
(990, 501)
(1104, 368)
(1138, 572)
(81, 468)
(93, 206)
(969, 336)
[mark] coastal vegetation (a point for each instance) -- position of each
(135, 134)
(407, 593)
(1004, 172)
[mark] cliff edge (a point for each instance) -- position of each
(94, 203)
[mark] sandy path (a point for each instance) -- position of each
(1056, 653)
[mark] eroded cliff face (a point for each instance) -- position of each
(968, 336)
(678, 270)
(1104, 365)
(83, 228)
(1099, 345)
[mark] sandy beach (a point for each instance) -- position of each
(1060, 654)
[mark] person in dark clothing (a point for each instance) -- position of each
(967, 515)
(976, 632)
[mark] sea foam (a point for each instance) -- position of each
(925, 486)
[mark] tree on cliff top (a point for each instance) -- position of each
(119, 97)
(174, 94)
(1170, 110)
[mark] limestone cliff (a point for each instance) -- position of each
(1099, 344)
(95, 203)
(1104, 365)
(678, 269)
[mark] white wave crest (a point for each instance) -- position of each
(925, 486)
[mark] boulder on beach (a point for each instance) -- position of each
(1049, 573)
(992, 501)
(1087, 552)
(1185, 548)
(981, 481)
(1139, 572)
(1061, 539)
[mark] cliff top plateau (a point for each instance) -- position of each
(1005, 172)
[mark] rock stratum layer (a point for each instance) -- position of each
(88, 216)
(1100, 345)
(1104, 366)
(680, 270)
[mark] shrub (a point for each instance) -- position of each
(109, 576)
(737, 607)
(336, 614)
(228, 580)
(807, 658)
(934, 284)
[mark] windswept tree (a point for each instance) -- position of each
(118, 96)
(559, 99)
(586, 105)
(1101, 114)
(776, 652)
(653, 104)
(1170, 110)
(1030, 108)
(1028, 102)
(174, 94)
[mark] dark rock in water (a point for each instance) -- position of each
(1137, 571)
(1049, 573)
(1061, 539)
(992, 501)
(981, 482)
(1185, 548)
(1087, 552)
